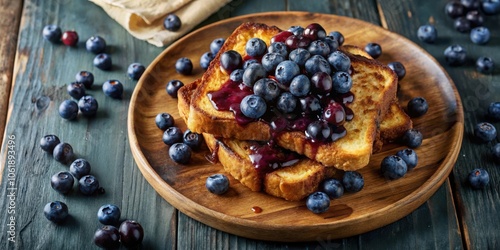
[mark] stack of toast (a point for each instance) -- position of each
(298, 166)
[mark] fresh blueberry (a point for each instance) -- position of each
(68, 109)
(478, 178)
(342, 82)
(495, 151)
(480, 35)
(412, 138)
(237, 75)
(69, 38)
(393, 167)
(333, 188)
(49, 142)
(475, 17)
(52, 33)
(205, 60)
(217, 184)
(172, 135)
(485, 131)
(267, 88)
(455, 55)
(321, 83)
(103, 61)
(316, 64)
(300, 86)
(373, 49)
(309, 104)
(184, 66)
(319, 47)
(172, 22)
(300, 56)
(286, 71)
(88, 184)
(164, 121)
(490, 7)
(339, 61)
(353, 181)
(338, 36)
(173, 87)
(249, 62)
(230, 60)
(462, 25)
(252, 73)
(216, 44)
(56, 211)
(485, 65)
(107, 237)
(271, 60)
(427, 33)
(454, 9)
(314, 31)
(398, 68)
(135, 70)
(131, 234)
(318, 202)
(192, 139)
(109, 214)
(63, 153)
(318, 131)
(253, 106)
(86, 78)
(79, 167)
(88, 105)
(296, 30)
(113, 89)
(255, 47)
(62, 182)
(470, 4)
(278, 47)
(180, 153)
(409, 156)
(76, 90)
(95, 44)
(332, 43)
(494, 111)
(417, 107)
(286, 102)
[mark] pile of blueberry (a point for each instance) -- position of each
(129, 233)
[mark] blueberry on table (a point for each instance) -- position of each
(353, 181)
(427, 33)
(95, 44)
(107, 237)
(333, 188)
(253, 106)
(455, 55)
(88, 184)
(52, 33)
(56, 211)
(409, 156)
(113, 89)
(318, 202)
(286, 102)
(88, 105)
(135, 70)
(216, 44)
(398, 68)
(495, 151)
(172, 22)
(180, 153)
(485, 65)
(62, 182)
(192, 139)
(267, 88)
(172, 135)
(373, 49)
(475, 18)
(485, 131)
(103, 61)
(462, 24)
(79, 167)
(164, 121)
(490, 7)
(494, 111)
(63, 153)
(471, 4)
(173, 87)
(131, 233)
(454, 9)
(86, 78)
(339, 61)
(217, 184)
(70, 38)
(68, 110)
(49, 142)
(184, 66)
(393, 167)
(478, 178)
(412, 138)
(417, 107)
(480, 35)
(109, 214)
(206, 59)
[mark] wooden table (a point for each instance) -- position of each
(455, 217)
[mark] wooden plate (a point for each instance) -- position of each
(379, 203)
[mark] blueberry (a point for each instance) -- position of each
(255, 47)
(69, 38)
(248, 62)
(373, 49)
(478, 178)
(485, 131)
(52, 33)
(216, 44)
(417, 107)
(334, 113)
(412, 138)
(56, 211)
(286, 71)
(206, 59)
(271, 60)
(296, 30)
(454, 9)
(353, 181)
(253, 106)
(332, 43)
(316, 64)
(230, 60)
(192, 139)
(319, 47)
(470, 4)
(164, 121)
(68, 109)
(475, 17)
(321, 83)
(79, 167)
(338, 36)
(131, 233)
(278, 47)
(286, 102)
(494, 111)
(217, 184)
(339, 61)
(237, 75)
(318, 202)
(63, 153)
(299, 56)
(109, 214)
(490, 7)
(107, 237)
(49, 142)
(180, 153)
(455, 55)
(86, 78)
(409, 156)
(76, 90)
(88, 105)
(333, 188)
(300, 86)
(184, 66)
(172, 135)
(172, 22)
(462, 25)
(393, 167)
(113, 89)
(135, 70)
(342, 82)
(318, 131)
(427, 33)
(62, 182)
(267, 88)
(485, 65)
(480, 35)
(88, 184)
(95, 44)
(252, 73)
(309, 104)
(173, 87)
(314, 31)
(495, 150)
(103, 61)
(398, 68)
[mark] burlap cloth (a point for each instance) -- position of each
(144, 18)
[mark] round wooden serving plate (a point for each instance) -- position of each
(379, 203)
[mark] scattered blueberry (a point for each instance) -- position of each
(56, 211)
(339, 61)
(62, 182)
(180, 153)
(107, 237)
(333, 188)
(417, 107)
(393, 167)
(173, 87)
(494, 111)
(373, 49)
(267, 88)
(63, 153)
(52, 33)
(253, 106)
(495, 150)
(69, 38)
(86, 78)
(172, 22)
(76, 90)
(300, 86)
(427, 33)
(462, 25)
(490, 7)
(480, 35)
(49, 142)
(135, 70)
(353, 181)
(109, 214)
(164, 121)
(409, 156)
(412, 138)
(475, 18)
(113, 89)
(455, 55)
(252, 73)
(398, 68)
(470, 4)
(286, 102)
(205, 60)
(478, 178)
(216, 44)
(68, 109)
(88, 105)
(184, 66)
(103, 61)
(318, 202)
(131, 233)
(485, 131)
(454, 9)
(95, 44)
(192, 139)
(230, 60)
(79, 167)
(172, 135)
(217, 184)
(88, 184)
(342, 82)
(485, 65)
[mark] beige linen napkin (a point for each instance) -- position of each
(144, 18)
